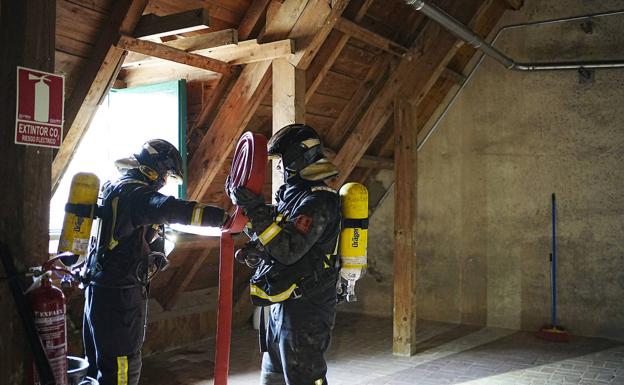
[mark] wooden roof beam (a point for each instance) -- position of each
(95, 81)
(367, 161)
(454, 76)
(369, 37)
(329, 54)
(414, 77)
(250, 25)
(225, 37)
(514, 4)
(173, 54)
(152, 26)
(295, 18)
(244, 52)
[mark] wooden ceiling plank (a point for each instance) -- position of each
(320, 19)
(333, 50)
(371, 83)
(173, 54)
(95, 81)
(514, 4)
(358, 32)
(152, 26)
(432, 50)
(225, 37)
(251, 22)
(234, 114)
(246, 94)
(367, 161)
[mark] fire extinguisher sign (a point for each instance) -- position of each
(40, 105)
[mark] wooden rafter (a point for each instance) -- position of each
(173, 54)
(515, 4)
(367, 161)
(154, 26)
(95, 81)
(358, 32)
(244, 52)
(224, 37)
(249, 26)
(251, 86)
(330, 52)
(251, 23)
(432, 50)
(373, 82)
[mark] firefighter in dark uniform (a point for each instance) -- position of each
(129, 251)
(293, 248)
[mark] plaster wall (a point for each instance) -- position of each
(487, 174)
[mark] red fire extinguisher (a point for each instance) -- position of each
(48, 305)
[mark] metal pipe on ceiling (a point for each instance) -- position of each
(469, 77)
(463, 32)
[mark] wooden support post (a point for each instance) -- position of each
(405, 220)
(27, 32)
(288, 103)
(154, 26)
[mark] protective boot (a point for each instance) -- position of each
(271, 378)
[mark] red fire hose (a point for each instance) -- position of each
(248, 170)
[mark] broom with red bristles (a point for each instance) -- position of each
(553, 332)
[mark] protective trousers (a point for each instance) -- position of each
(113, 333)
(295, 348)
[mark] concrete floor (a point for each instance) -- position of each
(447, 354)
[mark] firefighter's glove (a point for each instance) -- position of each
(249, 255)
(246, 199)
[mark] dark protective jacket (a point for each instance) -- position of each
(131, 213)
(299, 237)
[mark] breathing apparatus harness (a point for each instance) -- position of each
(144, 268)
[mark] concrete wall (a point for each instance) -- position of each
(487, 174)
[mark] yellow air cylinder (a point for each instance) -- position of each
(79, 214)
(354, 234)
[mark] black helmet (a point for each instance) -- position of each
(159, 159)
(298, 145)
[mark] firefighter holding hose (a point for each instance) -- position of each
(130, 248)
(293, 248)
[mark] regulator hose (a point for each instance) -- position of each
(248, 170)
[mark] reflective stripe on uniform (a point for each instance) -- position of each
(122, 370)
(113, 242)
(270, 233)
(318, 382)
(198, 212)
(255, 290)
(322, 188)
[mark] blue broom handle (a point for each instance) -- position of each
(554, 262)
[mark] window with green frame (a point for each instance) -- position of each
(125, 120)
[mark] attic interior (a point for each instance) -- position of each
(462, 158)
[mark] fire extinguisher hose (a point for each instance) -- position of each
(46, 376)
(248, 170)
